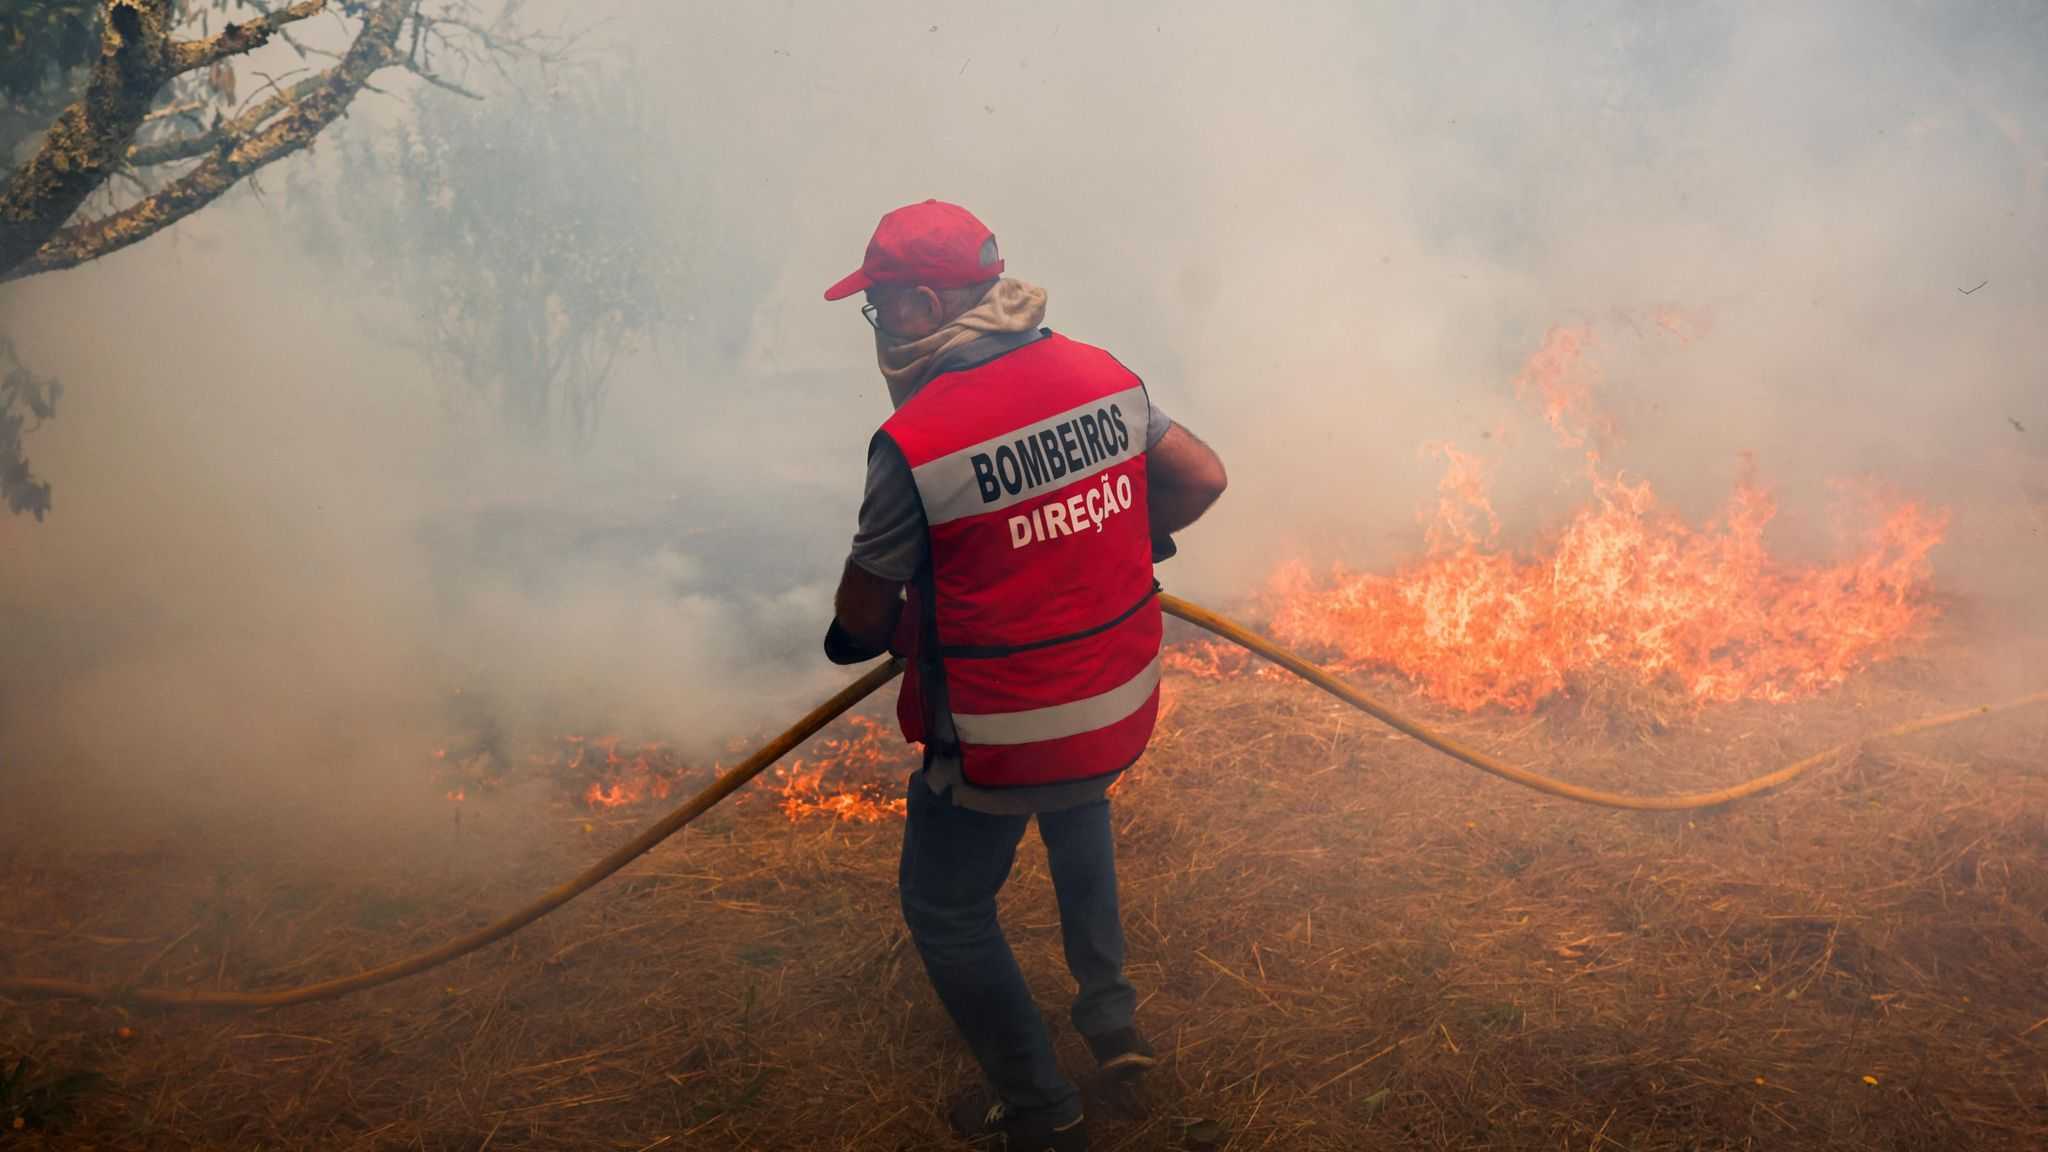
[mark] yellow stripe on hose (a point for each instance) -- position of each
(1237, 634)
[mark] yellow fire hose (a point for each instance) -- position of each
(733, 778)
(1238, 634)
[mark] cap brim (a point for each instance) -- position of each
(858, 282)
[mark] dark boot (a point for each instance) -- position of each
(982, 1120)
(1122, 1053)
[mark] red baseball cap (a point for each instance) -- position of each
(936, 244)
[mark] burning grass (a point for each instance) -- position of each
(845, 773)
(1625, 587)
(1340, 940)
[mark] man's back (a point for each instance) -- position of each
(1032, 624)
(1015, 503)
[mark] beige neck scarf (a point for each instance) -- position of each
(1010, 306)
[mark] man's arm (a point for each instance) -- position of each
(1183, 476)
(865, 609)
(887, 548)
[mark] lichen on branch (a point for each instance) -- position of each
(94, 137)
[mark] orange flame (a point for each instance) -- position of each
(1626, 586)
(1560, 373)
(849, 777)
(1462, 500)
(866, 766)
(624, 780)
(1206, 659)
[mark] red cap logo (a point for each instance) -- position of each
(936, 244)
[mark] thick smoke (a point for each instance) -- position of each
(1329, 238)
(1323, 237)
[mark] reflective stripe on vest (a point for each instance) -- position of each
(1015, 467)
(1060, 720)
(1037, 630)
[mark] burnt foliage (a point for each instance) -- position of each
(26, 401)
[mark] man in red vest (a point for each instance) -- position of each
(1015, 504)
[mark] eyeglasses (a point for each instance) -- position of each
(874, 316)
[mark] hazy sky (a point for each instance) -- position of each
(1323, 234)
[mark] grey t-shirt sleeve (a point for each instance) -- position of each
(890, 540)
(1156, 424)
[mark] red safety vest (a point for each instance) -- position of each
(1037, 626)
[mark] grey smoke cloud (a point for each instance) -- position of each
(1328, 234)
(1324, 234)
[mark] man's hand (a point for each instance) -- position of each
(1183, 476)
(842, 648)
(865, 608)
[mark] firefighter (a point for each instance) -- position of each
(1015, 504)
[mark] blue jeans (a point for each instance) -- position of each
(954, 862)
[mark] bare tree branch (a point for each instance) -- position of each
(285, 34)
(186, 55)
(305, 50)
(249, 117)
(489, 37)
(87, 141)
(245, 121)
(172, 111)
(246, 144)
(440, 82)
(91, 139)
